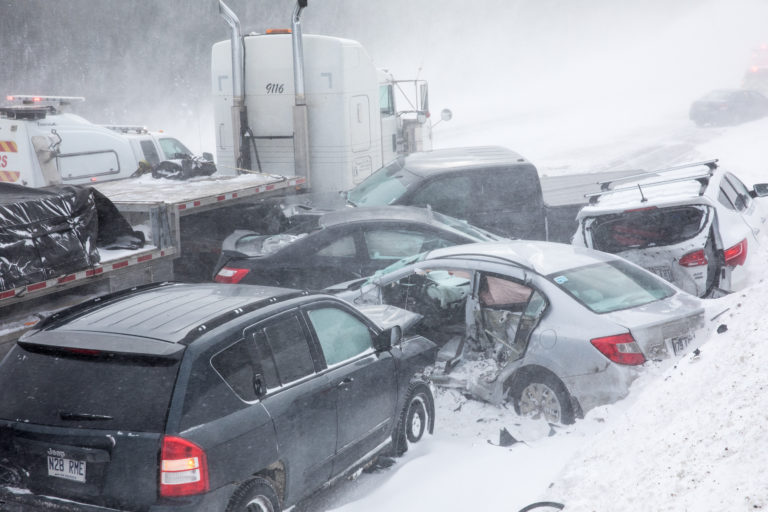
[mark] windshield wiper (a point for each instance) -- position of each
(77, 416)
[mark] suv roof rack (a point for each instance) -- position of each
(702, 178)
(223, 318)
(68, 313)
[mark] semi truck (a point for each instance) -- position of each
(311, 105)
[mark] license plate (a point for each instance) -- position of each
(680, 343)
(662, 272)
(66, 468)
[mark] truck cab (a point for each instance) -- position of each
(353, 127)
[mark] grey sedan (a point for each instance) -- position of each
(555, 329)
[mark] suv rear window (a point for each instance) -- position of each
(87, 391)
(650, 227)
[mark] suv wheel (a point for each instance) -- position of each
(258, 495)
(416, 418)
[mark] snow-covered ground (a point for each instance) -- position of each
(690, 436)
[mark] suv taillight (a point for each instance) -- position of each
(694, 259)
(736, 255)
(621, 349)
(230, 275)
(183, 468)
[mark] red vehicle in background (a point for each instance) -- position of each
(756, 77)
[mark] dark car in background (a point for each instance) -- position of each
(338, 246)
(180, 397)
(728, 107)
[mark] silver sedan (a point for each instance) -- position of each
(553, 328)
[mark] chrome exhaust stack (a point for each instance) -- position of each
(239, 112)
(300, 118)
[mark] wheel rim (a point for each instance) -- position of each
(539, 400)
(417, 420)
(259, 504)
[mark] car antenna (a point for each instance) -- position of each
(644, 199)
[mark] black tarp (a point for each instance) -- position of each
(53, 231)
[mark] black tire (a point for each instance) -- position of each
(541, 394)
(543, 505)
(416, 418)
(257, 495)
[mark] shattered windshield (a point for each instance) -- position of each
(611, 286)
(650, 227)
(383, 187)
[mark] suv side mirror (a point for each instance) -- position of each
(208, 156)
(761, 189)
(258, 385)
(388, 338)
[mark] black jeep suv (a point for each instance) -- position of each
(179, 397)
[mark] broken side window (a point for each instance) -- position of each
(501, 306)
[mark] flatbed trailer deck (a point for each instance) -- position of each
(154, 207)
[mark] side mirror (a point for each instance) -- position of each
(208, 156)
(388, 338)
(761, 189)
(446, 114)
(258, 385)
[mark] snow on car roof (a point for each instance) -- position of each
(543, 257)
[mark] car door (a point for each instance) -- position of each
(300, 401)
(508, 201)
(363, 380)
(449, 194)
(330, 256)
(751, 212)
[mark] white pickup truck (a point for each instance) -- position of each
(41, 144)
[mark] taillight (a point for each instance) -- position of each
(621, 349)
(183, 468)
(230, 275)
(737, 254)
(694, 259)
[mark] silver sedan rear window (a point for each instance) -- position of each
(612, 286)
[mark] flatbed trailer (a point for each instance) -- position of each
(154, 207)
